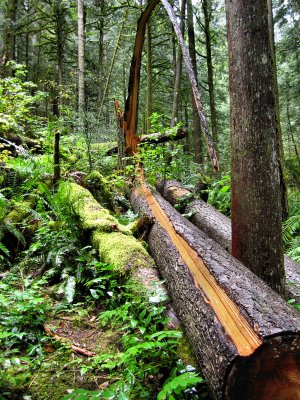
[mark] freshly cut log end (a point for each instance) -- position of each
(271, 372)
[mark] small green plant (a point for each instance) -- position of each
(219, 195)
(177, 385)
(17, 103)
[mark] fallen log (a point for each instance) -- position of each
(155, 138)
(245, 337)
(17, 141)
(218, 227)
(116, 244)
(163, 137)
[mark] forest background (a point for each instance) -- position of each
(47, 92)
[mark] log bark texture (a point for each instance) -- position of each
(245, 337)
(217, 226)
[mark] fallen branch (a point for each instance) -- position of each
(218, 227)
(245, 337)
(76, 349)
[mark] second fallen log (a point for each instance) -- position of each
(245, 337)
(218, 227)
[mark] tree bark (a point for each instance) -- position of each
(131, 107)
(100, 4)
(9, 37)
(207, 11)
(178, 71)
(222, 306)
(56, 157)
(256, 203)
(149, 77)
(192, 52)
(81, 91)
(279, 143)
(217, 226)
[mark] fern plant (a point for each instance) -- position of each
(291, 238)
(7, 227)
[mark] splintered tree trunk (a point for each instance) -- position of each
(256, 203)
(192, 52)
(217, 226)
(246, 349)
(131, 107)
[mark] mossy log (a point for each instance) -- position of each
(116, 245)
(246, 338)
(218, 227)
(114, 241)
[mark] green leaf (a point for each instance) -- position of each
(69, 289)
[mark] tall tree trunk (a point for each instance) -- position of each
(178, 70)
(100, 4)
(59, 32)
(149, 76)
(256, 203)
(279, 144)
(9, 53)
(56, 157)
(117, 43)
(81, 91)
(207, 11)
(192, 52)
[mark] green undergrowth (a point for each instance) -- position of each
(135, 352)
(52, 277)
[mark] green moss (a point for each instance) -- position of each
(114, 241)
(93, 216)
(20, 211)
(99, 187)
(56, 376)
(123, 251)
(185, 352)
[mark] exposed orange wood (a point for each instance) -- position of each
(131, 107)
(234, 323)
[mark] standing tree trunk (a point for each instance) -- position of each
(279, 144)
(207, 11)
(192, 52)
(149, 77)
(56, 158)
(59, 16)
(9, 53)
(178, 70)
(81, 92)
(256, 203)
(100, 4)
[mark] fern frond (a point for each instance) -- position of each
(4, 249)
(290, 227)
